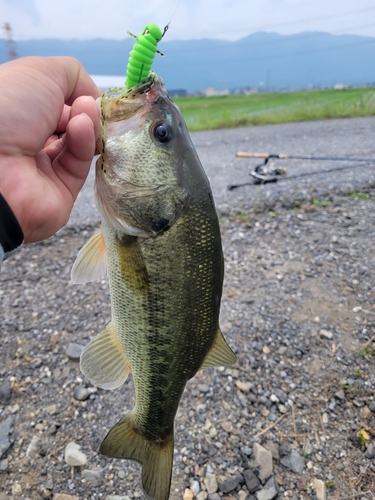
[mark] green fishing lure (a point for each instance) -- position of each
(142, 55)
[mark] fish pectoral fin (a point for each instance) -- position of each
(124, 440)
(91, 261)
(103, 360)
(220, 353)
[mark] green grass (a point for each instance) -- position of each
(206, 113)
(366, 352)
(360, 195)
(321, 203)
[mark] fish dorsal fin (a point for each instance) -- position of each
(91, 261)
(103, 360)
(220, 353)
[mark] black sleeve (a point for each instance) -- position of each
(11, 235)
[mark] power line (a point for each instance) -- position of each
(291, 23)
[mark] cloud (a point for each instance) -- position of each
(111, 19)
(24, 8)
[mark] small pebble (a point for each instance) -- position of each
(14, 409)
(320, 489)
(73, 456)
(263, 458)
(5, 393)
(293, 461)
(210, 483)
(325, 334)
(242, 386)
(370, 452)
(52, 409)
(340, 395)
(117, 497)
(95, 477)
(203, 388)
(251, 480)
(5, 429)
(202, 495)
(3, 464)
(64, 496)
(16, 490)
(195, 488)
(33, 447)
(188, 494)
(73, 351)
(49, 483)
(230, 483)
(269, 490)
(80, 393)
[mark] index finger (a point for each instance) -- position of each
(35, 90)
(77, 80)
(68, 73)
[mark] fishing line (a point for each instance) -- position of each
(166, 28)
(175, 10)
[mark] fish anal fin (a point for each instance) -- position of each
(156, 458)
(103, 360)
(220, 353)
(91, 261)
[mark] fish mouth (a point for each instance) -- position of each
(144, 86)
(122, 104)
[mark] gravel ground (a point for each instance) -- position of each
(294, 418)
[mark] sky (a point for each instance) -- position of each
(222, 19)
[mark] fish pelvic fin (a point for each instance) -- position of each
(103, 360)
(125, 441)
(220, 353)
(91, 261)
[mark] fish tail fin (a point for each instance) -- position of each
(125, 441)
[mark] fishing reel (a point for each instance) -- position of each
(267, 171)
(264, 172)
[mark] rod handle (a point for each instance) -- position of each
(244, 154)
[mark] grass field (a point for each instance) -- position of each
(205, 113)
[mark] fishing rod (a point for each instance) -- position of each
(263, 174)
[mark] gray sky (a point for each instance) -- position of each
(224, 19)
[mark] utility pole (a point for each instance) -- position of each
(12, 54)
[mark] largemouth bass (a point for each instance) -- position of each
(160, 241)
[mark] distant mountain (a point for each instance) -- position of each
(261, 60)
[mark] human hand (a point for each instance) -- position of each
(49, 124)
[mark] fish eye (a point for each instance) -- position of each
(163, 132)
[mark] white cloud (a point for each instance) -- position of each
(26, 8)
(231, 20)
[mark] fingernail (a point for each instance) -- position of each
(85, 114)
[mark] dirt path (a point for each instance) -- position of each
(299, 311)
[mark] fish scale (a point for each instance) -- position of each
(161, 362)
(162, 246)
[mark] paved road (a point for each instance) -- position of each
(353, 137)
